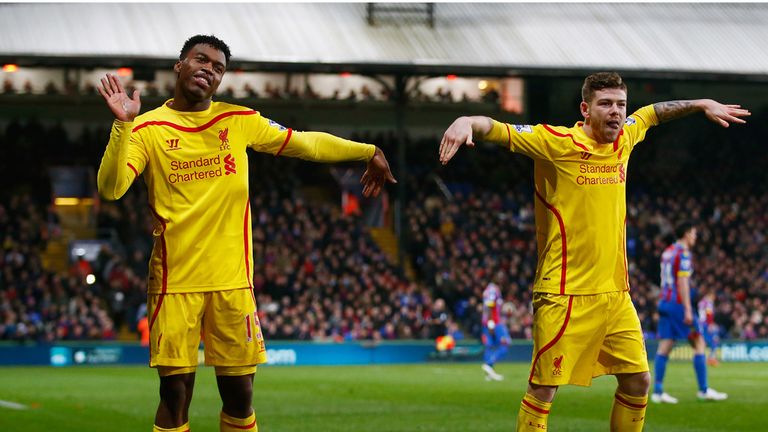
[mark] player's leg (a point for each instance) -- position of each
(174, 341)
(630, 401)
(237, 398)
(175, 396)
(671, 326)
(712, 340)
(492, 340)
(234, 345)
(660, 370)
(700, 366)
(623, 354)
(488, 350)
(535, 406)
(566, 344)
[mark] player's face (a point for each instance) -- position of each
(606, 114)
(691, 237)
(200, 73)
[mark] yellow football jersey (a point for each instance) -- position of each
(580, 202)
(196, 170)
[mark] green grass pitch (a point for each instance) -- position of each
(429, 397)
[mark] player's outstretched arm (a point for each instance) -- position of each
(124, 108)
(324, 147)
(719, 113)
(116, 173)
(376, 174)
(461, 132)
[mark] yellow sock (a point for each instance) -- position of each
(628, 414)
(533, 414)
(234, 424)
(182, 428)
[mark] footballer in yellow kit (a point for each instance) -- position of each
(196, 170)
(192, 154)
(584, 322)
(590, 327)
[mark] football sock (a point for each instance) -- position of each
(182, 428)
(234, 424)
(533, 414)
(660, 368)
(700, 366)
(628, 413)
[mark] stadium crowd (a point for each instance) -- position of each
(319, 276)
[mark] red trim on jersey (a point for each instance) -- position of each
(509, 137)
(675, 269)
(564, 245)
(164, 261)
(553, 341)
(534, 407)
(193, 129)
(285, 143)
(558, 134)
(135, 171)
(624, 249)
(616, 141)
(246, 239)
(629, 404)
(250, 426)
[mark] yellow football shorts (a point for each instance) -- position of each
(579, 337)
(226, 321)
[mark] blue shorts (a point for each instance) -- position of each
(500, 335)
(672, 322)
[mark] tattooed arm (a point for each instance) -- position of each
(715, 111)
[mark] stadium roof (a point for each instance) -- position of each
(711, 38)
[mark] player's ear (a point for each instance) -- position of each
(584, 109)
(177, 66)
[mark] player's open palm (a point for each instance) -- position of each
(723, 114)
(124, 107)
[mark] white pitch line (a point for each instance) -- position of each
(12, 405)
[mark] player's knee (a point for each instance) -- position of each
(635, 384)
(542, 393)
(175, 389)
(236, 395)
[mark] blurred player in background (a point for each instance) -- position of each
(495, 333)
(709, 328)
(676, 317)
(584, 322)
(192, 153)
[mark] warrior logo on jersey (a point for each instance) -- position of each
(277, 125)
(630, 121)
(557, 364)
(229, 165)
(523, 128)
(224, 139)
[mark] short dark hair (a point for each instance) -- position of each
(683, 227)
(207, 40)
(599, 81)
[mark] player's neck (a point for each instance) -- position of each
(182, 103)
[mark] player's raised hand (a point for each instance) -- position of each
(458, 133)
(724, 115)
(376, 174)
(124, 107)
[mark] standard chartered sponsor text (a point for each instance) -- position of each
(192, 172)
(582, 180)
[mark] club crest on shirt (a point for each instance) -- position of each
(277, 125)
(523, 128)
(558, 364)
(630, 121)
(223, 137)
